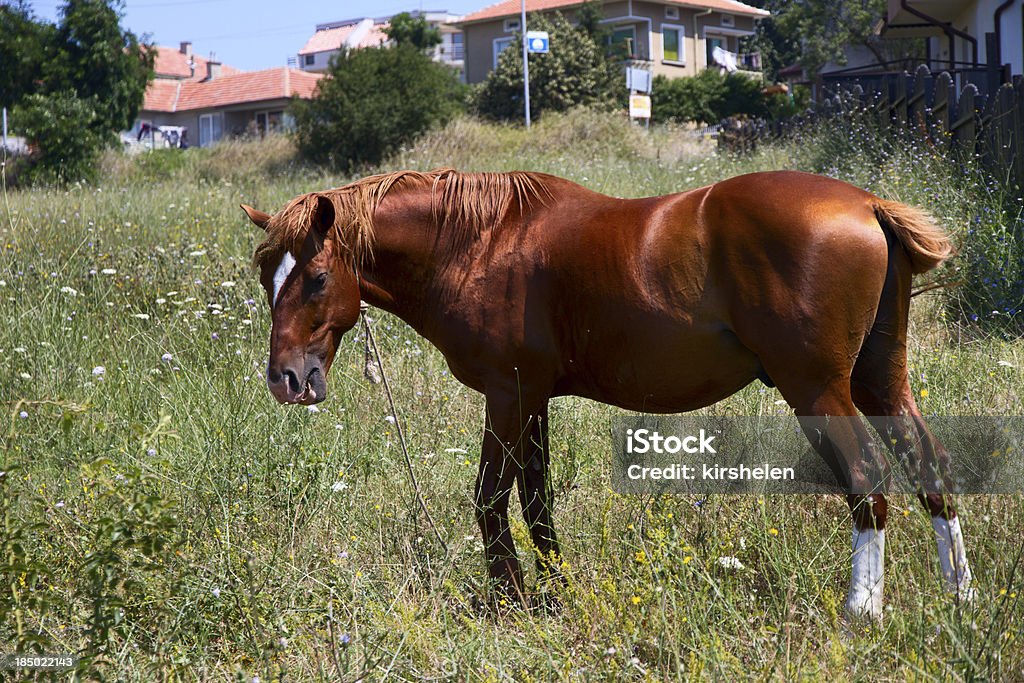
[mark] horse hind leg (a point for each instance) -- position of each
(828, 419)
(881, 389)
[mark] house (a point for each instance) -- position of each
(202, 100)
(365, 32)
(668, 37)
(962, 33)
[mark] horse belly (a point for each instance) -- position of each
(665, 373)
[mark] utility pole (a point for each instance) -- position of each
(526, 65)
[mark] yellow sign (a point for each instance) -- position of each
(639, 106)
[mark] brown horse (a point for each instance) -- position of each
(533, 287)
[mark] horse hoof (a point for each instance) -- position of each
(863, 605)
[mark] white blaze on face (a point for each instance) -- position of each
(281, 274)
(953, 556)
(866, 583)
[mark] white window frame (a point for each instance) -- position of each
(499, 45)
(212, 138)
(671, 12)
(511, 25)
(682, 44)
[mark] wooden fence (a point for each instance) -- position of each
(961, 121)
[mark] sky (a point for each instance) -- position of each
(250, 34)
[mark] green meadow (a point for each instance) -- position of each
(165, 519)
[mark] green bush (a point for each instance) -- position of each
(709, 97)
(576, 72)
(373, 102)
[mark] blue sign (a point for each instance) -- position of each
(537, 41)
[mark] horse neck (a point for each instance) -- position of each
(401, 277)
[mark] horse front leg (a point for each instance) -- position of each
(506, 436)
(537, 499)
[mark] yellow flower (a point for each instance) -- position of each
(640, 557)
(924, 393)
(635, 599)
(773, 531)
(687, 559)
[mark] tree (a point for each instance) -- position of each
(406, 29)
(816, 32)
(104, 64)
(73, 86)
(577, 71)
(24, 45)
(373, 101)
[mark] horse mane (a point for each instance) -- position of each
(466, 204)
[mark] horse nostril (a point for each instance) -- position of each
(293, 381)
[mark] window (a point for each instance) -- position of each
(268, 122)
(499, 46)
(672, 43)
(458, 50)
(671, 12)
(511, 25)
(728, 20)
(623, 41)
(211, 128)
(309, 60)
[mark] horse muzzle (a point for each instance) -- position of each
(305, 385)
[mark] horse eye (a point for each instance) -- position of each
(318, 282)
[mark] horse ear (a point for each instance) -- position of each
(323, 217)
(258, 217)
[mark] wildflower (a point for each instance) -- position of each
(99, 371)
(167, 358)
(109, 271)
(227, 284)
(635, 599)
(70, 291)
(390, 419)
(151, 452)
(345, 639)
(313, 409)
(23, 415)
(773, 531)
(924, 393)
(215, 591)
(141, 316)
(730, 562)
(339, 486)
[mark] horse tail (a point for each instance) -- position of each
(925, 242)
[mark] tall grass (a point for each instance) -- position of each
(163, 517)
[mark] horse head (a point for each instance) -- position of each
(313, 294)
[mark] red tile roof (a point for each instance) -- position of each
(333, 38)
(249, 86)
(161, 95)
(171, 63)
(509, 8)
